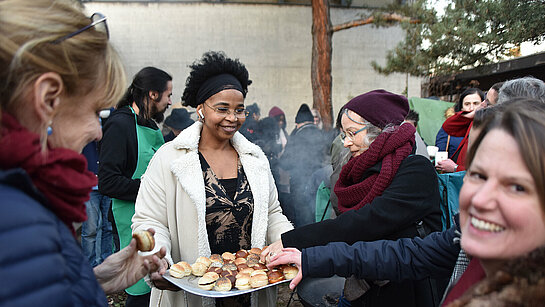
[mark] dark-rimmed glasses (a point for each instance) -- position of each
(225, 111)
(97, 20)
(351, 135)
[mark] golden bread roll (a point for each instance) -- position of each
(223, 285)
(256, 251)
(242, 266)
(240, 261)
(275, 276)
(258, 272)
(227, 256)
(180, 269)
(198, 269)
(204, 260)
(215, 257)
(251, 262)
(243, 283)
(260, 266)
(246, 271)
(144, 240)
(241, 254)
(259, 280)
(206, 282)
(290, 272)
(211, 275)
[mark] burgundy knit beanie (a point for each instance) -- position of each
(380, 107)
(276, 111)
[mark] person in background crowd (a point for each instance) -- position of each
(384, 192)
(492, 94)
(249, 127)
(305, 153)
(210, 190)
(280, 117)
(178, 120)
(459, 125)
(131, 137)
(339, 157)
(96, 232)
(421, 147)
(317, 118)
(57, 72)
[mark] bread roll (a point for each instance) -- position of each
(290, 272)
(207, 282)
(144, 240)
(228, 256)
(256, 251)
(243, 283)
(229, 267)
(180, 269)
(198, 269)
(204, 260)
(214, 269)
(259, 280)
(241, 254)
(223, 285)
(275, 276)
(240, 261)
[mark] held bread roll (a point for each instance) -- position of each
(223, 285)
(198, 269)
(180, 269)
(259, 280)
(144, 240)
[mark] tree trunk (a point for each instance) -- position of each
(321, 61)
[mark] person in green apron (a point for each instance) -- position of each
(131, 137)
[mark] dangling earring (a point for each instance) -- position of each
(49, 129)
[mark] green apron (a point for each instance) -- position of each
(148, 141)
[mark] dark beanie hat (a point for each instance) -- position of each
(276, 111)
(380, 107)
(304, 114)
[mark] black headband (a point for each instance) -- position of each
(217, 84)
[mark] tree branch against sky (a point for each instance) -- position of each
(470, 33)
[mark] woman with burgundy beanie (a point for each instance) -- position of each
(385, 191)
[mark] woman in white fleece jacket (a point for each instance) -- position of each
(210, 190)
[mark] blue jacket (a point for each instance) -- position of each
(441, 141)
(41, 263)
(404, 259)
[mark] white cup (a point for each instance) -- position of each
(432, 150)
(440, 156)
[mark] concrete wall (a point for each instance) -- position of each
(273, 41)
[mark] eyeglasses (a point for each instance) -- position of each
(351, 135)
(224, 111)
(97, 20)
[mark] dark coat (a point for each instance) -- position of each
(413, 196)
(41, 263)
(441, 141)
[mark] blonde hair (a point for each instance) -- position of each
(86, 62)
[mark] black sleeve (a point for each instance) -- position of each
(412, 196)
(405, 259)
(118, 158)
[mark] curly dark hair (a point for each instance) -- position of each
(211, 64)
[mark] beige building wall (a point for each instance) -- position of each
(274, 41)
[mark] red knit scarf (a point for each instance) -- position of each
(389, 147)
(60, 174)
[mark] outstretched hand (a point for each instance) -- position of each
(157, 278)
(272, 250)
(288, 255)
(126, 267)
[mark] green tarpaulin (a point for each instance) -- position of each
(432, 116)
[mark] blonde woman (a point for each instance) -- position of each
(57, 71)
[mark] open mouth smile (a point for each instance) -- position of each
(485, 226)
